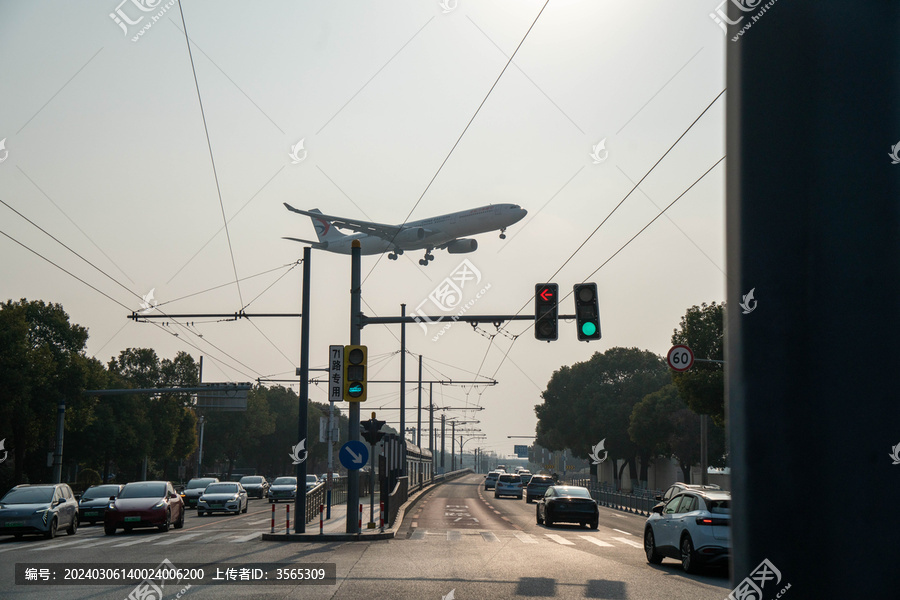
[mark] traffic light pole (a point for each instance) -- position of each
(302, 421)
(353, 409)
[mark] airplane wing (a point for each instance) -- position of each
(318, 245)
(381, 230)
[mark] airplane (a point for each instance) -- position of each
(444, 232)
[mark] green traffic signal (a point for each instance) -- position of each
(588, 329)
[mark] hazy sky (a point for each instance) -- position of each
(105, 149)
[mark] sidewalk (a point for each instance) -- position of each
(333, 529)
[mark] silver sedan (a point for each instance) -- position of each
(224, 497)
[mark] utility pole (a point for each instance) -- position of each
(443, 436)
(353, 410)
(303, 418)
(419, 411)
(403, 381)
(453, 446)
(431, 426)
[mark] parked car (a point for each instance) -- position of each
(536, 487)
(194, 489)
(255, 485)
(283, 488)
(226, 497)
(311, 481)
(94, 500)
(508, 485)
(569, 504)
(144, 504)
(693, 527)
(490, 480)
(38, 509)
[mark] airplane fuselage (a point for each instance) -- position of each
(435, 231)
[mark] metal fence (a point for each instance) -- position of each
(639, 501)
(316, 496)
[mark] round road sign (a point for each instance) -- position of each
(680, 358)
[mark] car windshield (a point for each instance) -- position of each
(573, 492)
(193, 484)
(720, 507)
(35, 495)
(246, 480)
(143, 490)
(100, 491)
(285, 481)
(221, 488)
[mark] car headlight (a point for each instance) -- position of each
(43, 512)
(160, 504)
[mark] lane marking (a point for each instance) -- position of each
(559, 539)
(14, 546)
(620, 531)
(594, 540)
(92, 544)
(48, 547)
(526, 538)
(177, 538)
(247, 538)
(130, 543)
(489, 536)
(629, 542)
(415, 524)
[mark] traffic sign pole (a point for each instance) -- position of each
(353, 409)
(302, 421)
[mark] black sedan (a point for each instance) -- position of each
(569, 504)
(256, 485)
(94, 500)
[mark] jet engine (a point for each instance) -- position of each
(462, 246)
(410, 235)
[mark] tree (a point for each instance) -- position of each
(703, 386)
(42, 364)
(594, 400)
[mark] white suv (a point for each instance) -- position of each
(693, 527)
(508, 485)
(491, 480)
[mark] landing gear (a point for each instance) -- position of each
(503, 233)
(428, 257)
(393, 255)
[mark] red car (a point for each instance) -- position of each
(144, 504)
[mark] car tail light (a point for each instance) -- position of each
(711, 521)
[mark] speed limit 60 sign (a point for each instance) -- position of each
(680, 358)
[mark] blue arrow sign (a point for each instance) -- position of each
(353, 455)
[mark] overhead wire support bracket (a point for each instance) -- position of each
(135, 316)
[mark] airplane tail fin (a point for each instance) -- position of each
(325, 231)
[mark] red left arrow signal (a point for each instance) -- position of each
(546, 294)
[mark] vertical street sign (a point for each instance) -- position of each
(335, 373)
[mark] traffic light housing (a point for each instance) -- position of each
(355, 383)
(370, 430)
(546, 311)
(587, 311)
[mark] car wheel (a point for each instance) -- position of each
(548, 520)
(246, 507)
(688, 560)
(538, 517)
(653, 557)
(595, 524)
(109, 529)
(73, 526)
(127, 528)
(200, 513)
(51, 531)
(180, 522)
(165, 526)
